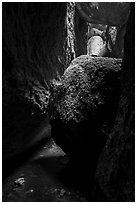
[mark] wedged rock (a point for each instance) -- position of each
(83, 102)
(95, 45)
(112, 14)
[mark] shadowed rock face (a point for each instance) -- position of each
(85, 101)
(112, 13)
(116, 168)
(108, 13)
(33, 40)
(36, 49)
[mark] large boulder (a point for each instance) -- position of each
(84, 102)
(95, 45)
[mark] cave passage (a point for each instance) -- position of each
(46, 175)
(68, 102)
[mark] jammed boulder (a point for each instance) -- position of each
(84, 102)
(95, 45)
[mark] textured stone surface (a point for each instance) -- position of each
(85, 100)
(84, 103)
(95, 45)
(116, 168)
(112, 13)
(33, 44)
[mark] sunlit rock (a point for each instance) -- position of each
(94, 46)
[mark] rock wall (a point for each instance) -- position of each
(81, 29)
(39, 40)
(107, 13)
(33, 53)
(84, 102)
(116, 168)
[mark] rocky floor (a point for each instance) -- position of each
(47, 175)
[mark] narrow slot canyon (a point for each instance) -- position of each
(68, 102)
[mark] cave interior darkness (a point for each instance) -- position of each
(68, 101)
